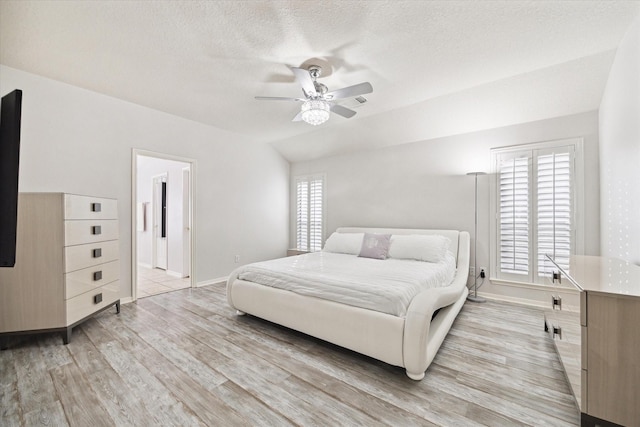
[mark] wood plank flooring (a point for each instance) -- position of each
(185, 358)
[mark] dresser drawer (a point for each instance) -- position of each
(85, 304)
(80, 281)
(78, 232)
(85, 207)
(567, 323)
(83, 256)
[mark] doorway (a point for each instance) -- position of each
(162, 213)
(159, 242)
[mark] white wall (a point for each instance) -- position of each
(424, 184)
(147, 168)
(78, 141)
(620, 152)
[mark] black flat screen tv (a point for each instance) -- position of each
(10, 115)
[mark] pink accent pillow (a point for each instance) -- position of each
(375, 246)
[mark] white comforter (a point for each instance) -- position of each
(387, 286)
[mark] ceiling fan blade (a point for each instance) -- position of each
(277, 98)
(346, 92)
(298, 117)
(304, 78)
(343, 111)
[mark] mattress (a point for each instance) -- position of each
(386, 286)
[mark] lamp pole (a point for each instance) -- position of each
(475, 297)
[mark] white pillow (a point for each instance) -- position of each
(344, 243)
(428, 247)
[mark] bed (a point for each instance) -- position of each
(407, 333)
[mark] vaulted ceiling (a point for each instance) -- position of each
(438, 68)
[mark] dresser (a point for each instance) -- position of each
(67, 264)
(598, 342)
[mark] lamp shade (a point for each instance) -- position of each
(315, 111)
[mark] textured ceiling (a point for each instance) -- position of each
(438, 68)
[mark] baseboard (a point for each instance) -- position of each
(144, 264)
(126, 300)
(515, 300)
(212, 281)
(530, 294)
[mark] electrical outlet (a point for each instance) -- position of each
(237, 259)
(472, 271)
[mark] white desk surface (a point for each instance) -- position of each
(605, 275)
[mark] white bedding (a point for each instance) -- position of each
(387, 286)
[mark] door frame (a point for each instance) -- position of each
(186, 224)
(135, 153)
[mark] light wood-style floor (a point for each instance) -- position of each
(184, 358)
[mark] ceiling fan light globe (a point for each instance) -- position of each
(315, 111)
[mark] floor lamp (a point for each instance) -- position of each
(475, 297)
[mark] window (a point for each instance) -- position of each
(309, 212)
(535, 198)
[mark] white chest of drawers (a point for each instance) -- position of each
(67, 264)
(599, 346)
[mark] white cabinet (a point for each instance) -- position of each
(67, 264)
(599, 345)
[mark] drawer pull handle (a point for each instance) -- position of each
(96, 207)
(97, 299)
(557, 332)
(556, 303)
(97, 275)
(557, 276)
(97, 253)
(96, 229)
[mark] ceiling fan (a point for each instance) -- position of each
(318, 101)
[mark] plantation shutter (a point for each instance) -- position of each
(309, 213)
(514, 214)
(302, 214)
(555, 201)
(535, 213)
(315, 214)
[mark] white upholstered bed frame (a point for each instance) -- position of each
(410, 342)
